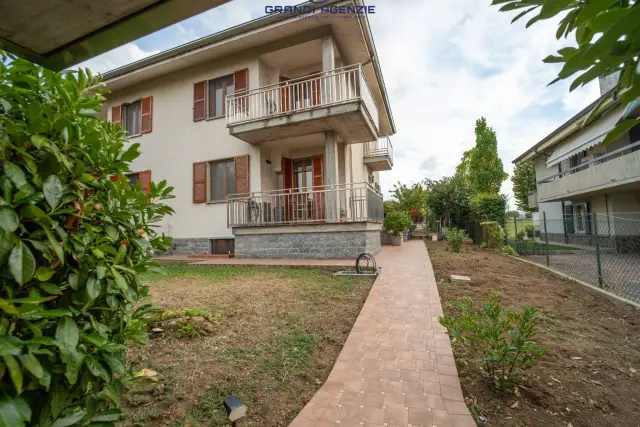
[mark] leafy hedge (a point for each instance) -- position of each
(73, 237)
(488, 207)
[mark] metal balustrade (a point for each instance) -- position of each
(381, 147)
(359, 202)
(318, 90)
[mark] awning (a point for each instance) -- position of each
(585, 138)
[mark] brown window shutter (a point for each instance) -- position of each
(240, 81)
(114, 178)
(200, 182)
(199, 93)
(318, 173)
(145, 181)
(241, 168)
(146, 107)
(116, 114)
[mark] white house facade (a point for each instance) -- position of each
(273, 134)
(582, 184)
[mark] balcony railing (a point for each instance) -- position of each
(345, 203)
(381, 147)
(318, 90)
(597, 161)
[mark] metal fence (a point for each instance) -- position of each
(603, 250)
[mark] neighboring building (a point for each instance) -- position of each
(273, 134)
(579, 180)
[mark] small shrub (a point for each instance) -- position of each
(397, 222)
(492, 234)
(502, 340)
(508, 250)
(454, 238)
(520, 235)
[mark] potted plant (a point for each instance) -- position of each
(530, 230)
(395, 224)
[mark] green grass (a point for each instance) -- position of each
(510, 227)
(530, 246)
(173, 270)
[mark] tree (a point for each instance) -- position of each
(481, 166)
(524, 182)
(512, 214)
(449, 198)
(73, 237)
(607, 35)
(410, 198)
(488, 207)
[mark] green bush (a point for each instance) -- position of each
(503, 340)
(492, 234)
(454, 238)
(397, 223)
(488, 207)
(72, 242)
(508, 250)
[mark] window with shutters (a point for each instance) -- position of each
(133, 178)
(218, 89)
(222, 179)
(132, 118)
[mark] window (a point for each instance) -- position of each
(580, 217)
(133, 178)
(222, 179)
(302, 175)
(132, 117)
(218, 90)
(222, 246)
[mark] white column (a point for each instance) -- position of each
(328, 54)
(331, 174)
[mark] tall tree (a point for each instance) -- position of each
(481, 166)
(616, 49)
(524, 182)
(408, 198)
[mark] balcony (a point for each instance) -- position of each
(379, 154)
(343, 203)
(339, 100)
(619, 168)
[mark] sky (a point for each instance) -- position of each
(445, 64)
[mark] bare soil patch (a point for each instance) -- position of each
(591, 374)
(278, 332)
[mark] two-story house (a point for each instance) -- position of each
(585, 188)
(273, 134)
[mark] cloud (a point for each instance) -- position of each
(118, 57)
(445, 65)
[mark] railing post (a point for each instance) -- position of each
(598, 261)
(515, 230)
(546, 236)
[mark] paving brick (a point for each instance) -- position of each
(396, 368)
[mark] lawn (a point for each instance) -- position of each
(530, 247)
(510, 227)
(270, 335)
(591, 374)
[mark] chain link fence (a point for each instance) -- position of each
(602, 250)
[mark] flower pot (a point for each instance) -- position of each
(396, 240)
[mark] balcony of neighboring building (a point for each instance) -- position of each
(617, 170)
(303, 89)
(378, 155)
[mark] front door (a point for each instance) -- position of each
(303, 180)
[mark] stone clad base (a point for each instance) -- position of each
(321, 241)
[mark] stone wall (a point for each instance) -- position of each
(308, 245)
(190, 246)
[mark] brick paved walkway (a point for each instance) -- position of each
(396, 368)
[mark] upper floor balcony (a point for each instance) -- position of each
(379, 154)
(339, 100)
(619, 168)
